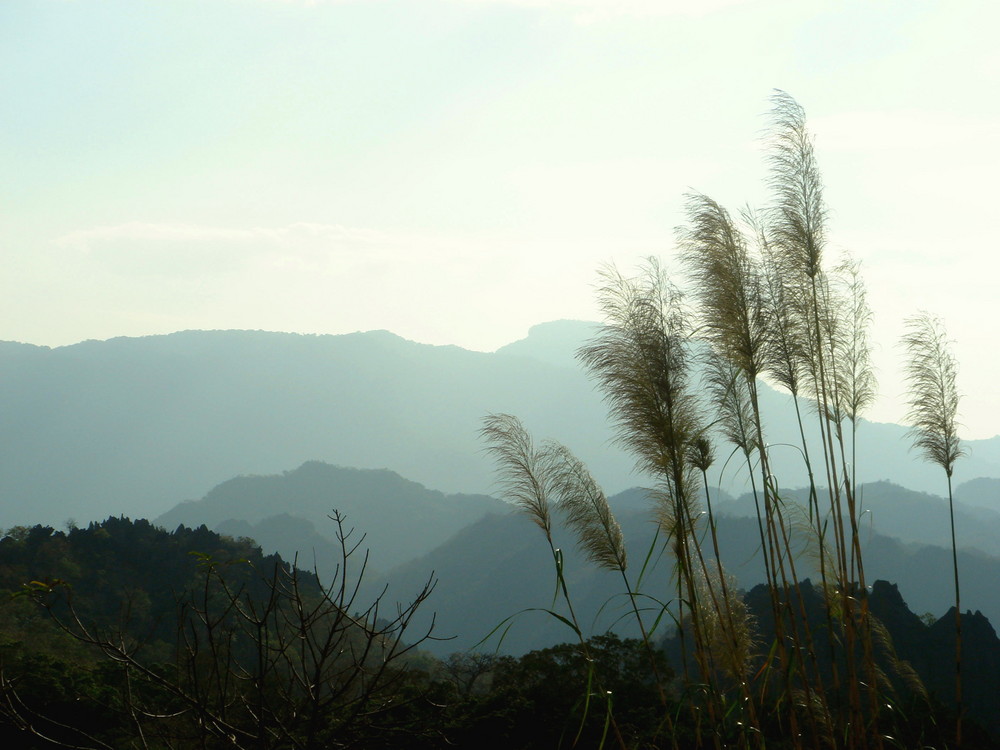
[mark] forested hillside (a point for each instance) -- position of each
(121, 634)
(124, 635)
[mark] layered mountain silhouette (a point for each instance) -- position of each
(908, 515)
(290, 513)
(474, 569)
(134, 425)
(492, 562)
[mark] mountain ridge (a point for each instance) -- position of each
(396, 517)
(134, 425)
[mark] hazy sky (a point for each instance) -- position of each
(457, 170)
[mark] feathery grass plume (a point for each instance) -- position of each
(859, 383)
(786, 339)
(738, 420)
(933, 400)
(522, 470)
(598, 534)
(784, 346)
(796, 234)
(727, 284)
(701, 454)
(824, 340)
(854, 378)
(846, 369)
(847, 360)
(844, 318)
(798, 213)
(729, 287)
(823, 332)
(679, 521)
(527, 475)
(933, 414)
(587, 511)
(640, 359)
(822, 337)
(729, 394)
(796, 230)
(903, 670)
(832, 380)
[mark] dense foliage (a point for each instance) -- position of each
(72, 599)
(122, 634)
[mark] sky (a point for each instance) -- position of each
(456, 171)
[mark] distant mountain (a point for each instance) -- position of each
(474, 593)
(554, 343)
(983, 492)
(930, 649)
(476, 545)
(911, 516)
(475, 566)
(922, 572)
(298, 538)
(289, 513)
(134, 425)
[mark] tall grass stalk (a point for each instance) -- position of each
(732, 618)
(729, 285)
(527, 478)
(641, 360)
(597, 531)
(933, 414)
(796, 225)
(786, 365)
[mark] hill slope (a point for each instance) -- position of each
(289, 513)
(475, 566)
